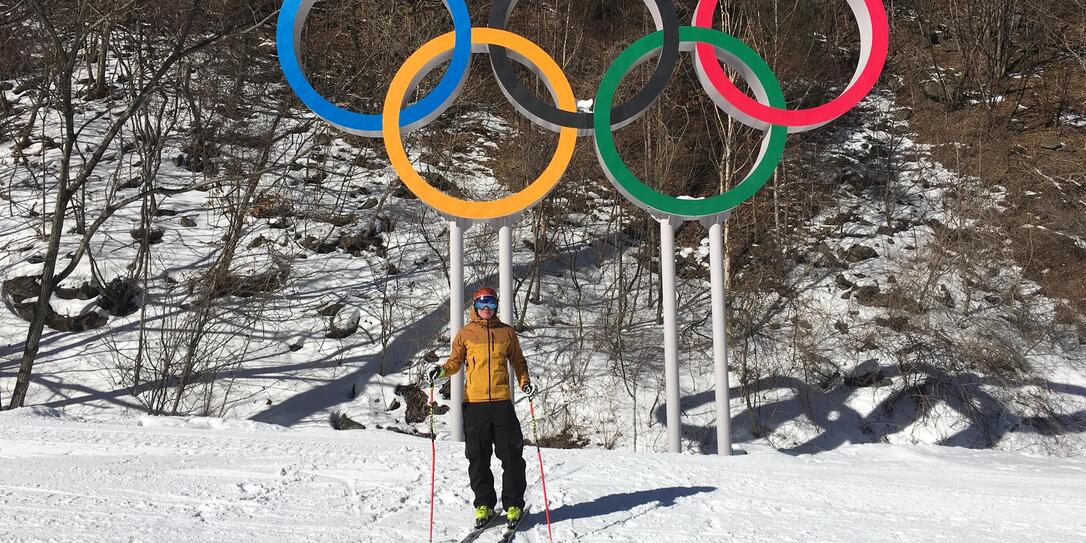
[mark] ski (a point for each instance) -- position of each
(511, 529)
(476, 532)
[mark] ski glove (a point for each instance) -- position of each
(529, 390)
(437, 372)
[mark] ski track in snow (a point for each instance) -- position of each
(175, 479)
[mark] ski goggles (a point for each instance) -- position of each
(486, 302)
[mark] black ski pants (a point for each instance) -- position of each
(494, 427)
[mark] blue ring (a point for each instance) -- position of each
(362, 123)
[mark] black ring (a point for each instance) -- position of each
(582, 121)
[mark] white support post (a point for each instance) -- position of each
(720, 341)
(505, 287)
(671, 340)
(456, 322)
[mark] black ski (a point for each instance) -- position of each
(476, 532)
(511, 529)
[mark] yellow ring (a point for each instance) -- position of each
(467, 209)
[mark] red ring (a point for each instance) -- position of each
(799, 119)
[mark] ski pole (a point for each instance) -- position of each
(542, 478)
(433, 460)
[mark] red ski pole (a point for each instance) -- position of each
(433, 460)
(543, 478)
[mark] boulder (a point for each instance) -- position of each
(118, 297)
(154, 235)
(933, 90)
(864, 374)
(343, 422)
(859, 253)
(330, 309)
(896, 323)
(344, 323)
(295, 344)
(871, 296)
(843, 283)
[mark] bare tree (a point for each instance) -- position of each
(66, 28)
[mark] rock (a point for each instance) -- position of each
(280, 223)
(330, 309)
(843, 283)
(153, 236)
(358, 242)
(870, 296)
(1051, 145)
(295, 344)
(897, 323)
(79, 323)
(394, 405)
(134, 183)
(1018, 125)
(258, 242)
(343, 422)
(839, 219)
(933, 90)
(431, 357)
(859, 253)
(36, 258)
(320, 246)
(317, 177)
(840, 326)
(187, 222)
(903, 114)
(418, 406)
(86, 291)
(165, 212)
(22, 288)
(864, 374)
(392, 269)
(344, 323)
(118, 297)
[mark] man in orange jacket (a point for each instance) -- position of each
(484, 347)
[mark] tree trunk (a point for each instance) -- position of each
(41, 307)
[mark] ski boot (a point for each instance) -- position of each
(483, 514)
(512, 515)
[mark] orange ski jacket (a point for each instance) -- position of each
(485, 346)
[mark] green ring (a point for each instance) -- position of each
(636, 190)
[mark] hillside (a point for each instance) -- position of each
(912, 275)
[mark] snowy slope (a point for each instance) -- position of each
(200, 479)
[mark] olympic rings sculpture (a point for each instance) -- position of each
(708, 47)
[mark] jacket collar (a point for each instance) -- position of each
(475, 318)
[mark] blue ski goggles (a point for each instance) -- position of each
(486, 302)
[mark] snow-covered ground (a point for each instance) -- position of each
(201, 479)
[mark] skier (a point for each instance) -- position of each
(485, 345)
